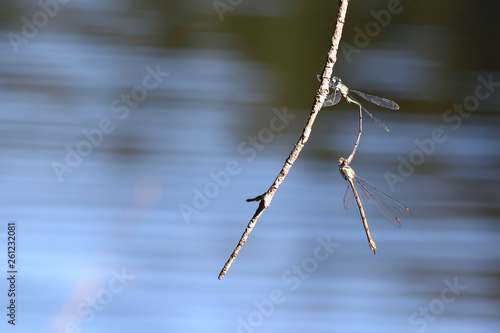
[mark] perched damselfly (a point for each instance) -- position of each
(392, 209)
(340, 89)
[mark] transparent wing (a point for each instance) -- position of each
(380, 101)
(392, 209)
(348, 197)
(351, 99)
(332, 99)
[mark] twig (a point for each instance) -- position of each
(266, 198)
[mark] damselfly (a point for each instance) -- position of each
(341, 89)
(388, 206)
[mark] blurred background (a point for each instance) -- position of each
(132, 132)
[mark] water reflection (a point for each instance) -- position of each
(108, 243)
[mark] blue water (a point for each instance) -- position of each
(128, 201)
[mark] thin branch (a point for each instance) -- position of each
(266, 198)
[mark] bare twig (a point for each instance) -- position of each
(266, 198)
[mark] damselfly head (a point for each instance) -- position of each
(335, 82)
(345, 170)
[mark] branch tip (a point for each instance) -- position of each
(258, 198)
